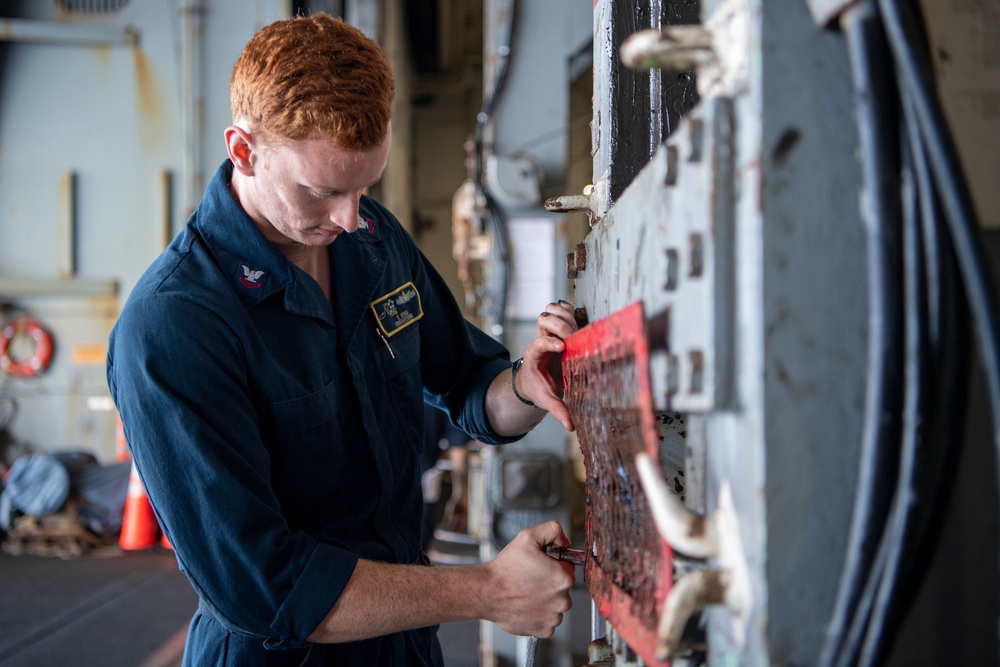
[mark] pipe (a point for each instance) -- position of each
(674, 48)
(715, 536)
(594, 201)
(691, 593)
(192, 104)
(689, 533)
(66, 34)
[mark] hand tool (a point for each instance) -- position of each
(529, 658)
(574, 556)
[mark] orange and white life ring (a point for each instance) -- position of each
(10, 342)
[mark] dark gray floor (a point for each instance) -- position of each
(110, 611)
(124, 610)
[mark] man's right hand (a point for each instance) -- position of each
(531, 588)
(523, 590)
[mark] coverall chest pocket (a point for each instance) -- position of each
(399, 370)
(300, 414)
(314, 453)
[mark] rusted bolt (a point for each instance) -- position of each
(599, 652)
(673, 264)
(576, 261)
(696, 261)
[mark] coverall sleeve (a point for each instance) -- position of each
(176, 371)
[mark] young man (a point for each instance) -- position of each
(270, 369)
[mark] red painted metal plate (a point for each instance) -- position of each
(607, 390)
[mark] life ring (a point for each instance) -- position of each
(40, 357)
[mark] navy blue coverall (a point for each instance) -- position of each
(278, 438)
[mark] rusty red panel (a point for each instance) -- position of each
(607, 390)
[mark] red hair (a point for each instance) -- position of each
(314, 77)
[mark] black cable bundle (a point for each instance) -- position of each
(877, 116)
(497, 282)
(498, 266)
(929, 213)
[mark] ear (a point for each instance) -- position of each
(241, 148)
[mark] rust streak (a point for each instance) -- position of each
(150, 100)
(697, 528)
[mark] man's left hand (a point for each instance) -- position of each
(540, 377)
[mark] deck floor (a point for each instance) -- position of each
(115, 609)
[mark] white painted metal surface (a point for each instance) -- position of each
(111, 123)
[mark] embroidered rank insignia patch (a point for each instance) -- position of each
(398, 309)
(250, 278)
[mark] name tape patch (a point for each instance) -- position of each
(398, 309)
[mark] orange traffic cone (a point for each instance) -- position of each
(121, 447)
(139, 527)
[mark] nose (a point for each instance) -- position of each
(345, 213)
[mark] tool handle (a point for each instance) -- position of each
(530, 652)
(574, 556)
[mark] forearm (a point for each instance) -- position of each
(381, 599)
(507, 414)
(522, 590)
